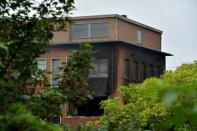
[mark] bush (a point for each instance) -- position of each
(17, 118)
(167, 103)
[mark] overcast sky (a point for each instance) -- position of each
(176, 18)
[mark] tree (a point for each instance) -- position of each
(167, 103)
(26, 26)
(76, 71)
(73, 87)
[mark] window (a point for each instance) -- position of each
(80, 31)
(158, 71)
(41, 64)
(143, 71)
(126, 68)
(91, 30)
(92, 107)
(99, 30)
(151, 70)
(135, 71)
(68, 59)
(55, 72)
(139, 37)
(101, 68)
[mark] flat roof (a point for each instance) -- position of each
(122, 17)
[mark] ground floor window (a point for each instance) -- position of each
(91, 108)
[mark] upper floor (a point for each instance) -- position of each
(109, 28)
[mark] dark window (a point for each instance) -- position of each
(91, 108)
(135, 71)
(55, 72)
(101, 68)
(151, 70)
(126, 68)
(143, 71)
(56, 120)
(158, 71)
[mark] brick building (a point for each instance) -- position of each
(127, 52)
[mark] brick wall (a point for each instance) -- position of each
(118, 30)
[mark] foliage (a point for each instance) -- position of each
(17, 118)
(75, 72)
(167, 103)
(26, 27)
(46, 105)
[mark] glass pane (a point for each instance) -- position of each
(41, 64)
(158, 71)
(100, 68)
(79, 31)
(135, 70)
(103, 67)
(139, 36)
(55, 72)
(126, 68)
(95, 71)
(143, 71)
(151, 70)
(99, 30)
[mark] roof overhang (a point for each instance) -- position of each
(112, 42)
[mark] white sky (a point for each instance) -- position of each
(176, 18)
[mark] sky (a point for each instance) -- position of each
(176, 18)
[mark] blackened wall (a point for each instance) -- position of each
(143, 57)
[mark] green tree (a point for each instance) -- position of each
(26, 26)
(75, 73)
(167, 103)
(73, 87)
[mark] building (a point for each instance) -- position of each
(127, 52)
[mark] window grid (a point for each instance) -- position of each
(55, 72)
(101, 68)
(91, 30)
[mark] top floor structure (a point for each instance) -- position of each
(103, 28)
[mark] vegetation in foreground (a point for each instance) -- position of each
(166, 103)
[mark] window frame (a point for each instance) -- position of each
(136, 71)
(44, 59)
(89, 30)
(52, 71)
(99, 36)
(71, 31)
(98, 74)
(126, 74)
(151, 70)
(139, 41)
(143, 71)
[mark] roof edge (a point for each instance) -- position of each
(119, 17)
